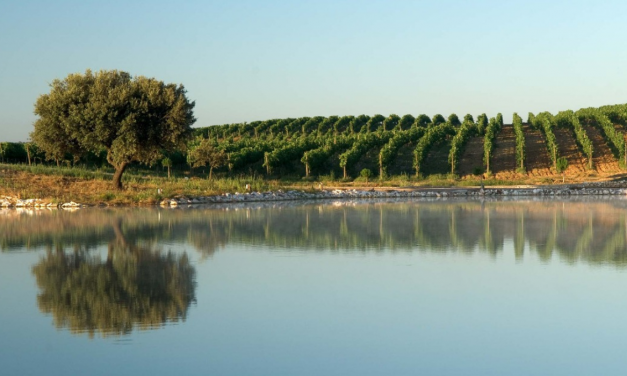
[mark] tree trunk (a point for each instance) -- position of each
(117, 176)
(380, 167)
(168, 172)
(210, 172)
(344, 172)
(28, 154)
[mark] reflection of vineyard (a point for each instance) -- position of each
(575, 230)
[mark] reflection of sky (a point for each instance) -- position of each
(313, 313)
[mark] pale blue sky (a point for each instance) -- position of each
(254, 60)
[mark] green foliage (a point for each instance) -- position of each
(390, 122)
(248, 155)
(294, 127)
(358, 123)
(499, 119)
(406, 123)
(361, 147)
(315, 158)
(488, 141)
(469, 118)
(454, 120)
(596, 117)
(280, 126)
(373, 124)
(327, 124)
(482, 124)
(15, 152)
(312, 124)
(133, 118)
(568, 120)
(206, 154)
(389, 151)
(458, 142)
(616, 113)
(561, 165)
(531, 118)
(365, 173)
(342, 124)
(265, 126)
(422, 121)
(546, 122)
(438, 119)
(285, 154)
(166, 162)
(520, 142)
(432, 136)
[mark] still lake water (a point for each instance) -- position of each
(528, 287)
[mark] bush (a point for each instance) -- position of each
(561, 164)
(366, 174)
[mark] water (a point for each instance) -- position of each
(319, 288)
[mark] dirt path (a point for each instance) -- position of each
(603, 160)
(472, 157)
(537, 160)
(567, 147)
(503, 163)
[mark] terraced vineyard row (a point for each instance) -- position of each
(588, 140)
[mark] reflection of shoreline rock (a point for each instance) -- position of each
(14, 202)
(422, 193)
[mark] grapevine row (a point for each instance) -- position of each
(433, 136)
(488, 141)
(568, 119)
(389, 152)
(594, 116)
(520, 141)
(467, 129)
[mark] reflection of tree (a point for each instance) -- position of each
(133, 287)
(572, 230)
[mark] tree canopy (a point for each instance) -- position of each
(135, 119)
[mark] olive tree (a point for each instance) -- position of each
(134, 119)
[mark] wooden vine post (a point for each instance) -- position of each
(380, 166)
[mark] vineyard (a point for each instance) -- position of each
(587, 141)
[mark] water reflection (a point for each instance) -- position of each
(135, 286)
(586, 230)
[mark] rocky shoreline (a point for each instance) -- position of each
(360, 194)
(335, 194)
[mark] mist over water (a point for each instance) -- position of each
(321, 287)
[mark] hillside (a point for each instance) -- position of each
(591, 140)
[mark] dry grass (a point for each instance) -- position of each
(58, 185)
(63, 185)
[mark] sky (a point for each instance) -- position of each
(242, 61)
